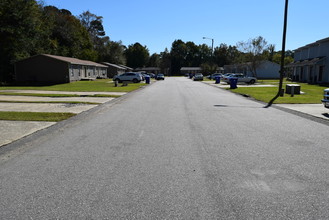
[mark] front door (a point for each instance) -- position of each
(85, 70)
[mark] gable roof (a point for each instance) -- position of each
(191, 69)
(126, 67)
(316, 43)
(72, 60)
(69, 60)
(114, 65)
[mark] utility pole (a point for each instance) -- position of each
(282, 55)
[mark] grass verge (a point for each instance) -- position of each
(35, 116)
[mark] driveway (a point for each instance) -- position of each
(14, 130)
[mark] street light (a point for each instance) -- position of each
(212, 44)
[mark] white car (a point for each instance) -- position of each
(129, 76)
(241, 78)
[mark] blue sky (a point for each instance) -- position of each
(157, 23)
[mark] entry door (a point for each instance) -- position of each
(85, 69)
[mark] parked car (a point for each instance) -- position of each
(129, 76)
(160, 76)
(198, 76)
(241, 78)
(213, 76)
(325, 99)
(227, 74)
(145, 75)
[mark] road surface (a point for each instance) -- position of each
(176, 149)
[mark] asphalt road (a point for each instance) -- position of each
(177, 149)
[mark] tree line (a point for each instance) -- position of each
(27, 28)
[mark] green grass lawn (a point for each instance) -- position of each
(312, 94)
(35, 116)
(99, 85)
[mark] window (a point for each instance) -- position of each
(71, 70)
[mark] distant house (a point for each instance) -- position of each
(154, 70)
(265, 70)
(311, 63)
(114, 69)
(45, 68)
(194, 70)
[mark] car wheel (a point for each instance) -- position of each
(135, 80)
(252, 81)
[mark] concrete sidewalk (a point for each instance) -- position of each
(316, 110)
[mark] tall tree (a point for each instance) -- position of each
(178, 55)
(94, 25)
(205, 54)
(192, 54)
(253, 53)
(270, 52)
(67, 35)
(154, 60)
(21, 30)
(113, 53)
(137, 55)
(277, 58)
(165, 61)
